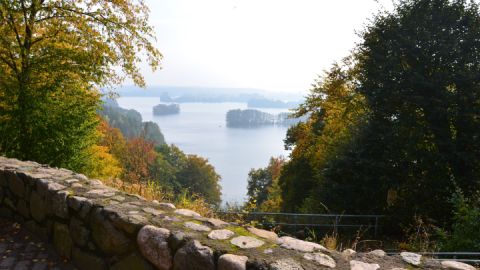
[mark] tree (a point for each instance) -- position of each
(419, 71)
(54, 55)
(335, 112)
(263, 190)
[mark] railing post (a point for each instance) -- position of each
(376, 227)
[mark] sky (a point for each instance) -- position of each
(274, 45)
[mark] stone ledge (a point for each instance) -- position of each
(99, 227)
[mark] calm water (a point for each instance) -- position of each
(200, 129)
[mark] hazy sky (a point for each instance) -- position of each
(276, 45)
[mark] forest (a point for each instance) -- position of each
(393, 129)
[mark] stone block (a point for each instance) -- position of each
(58, 204)
(153, 243)
(194, 256)
(132, 261)
(86, 260)
(38, 207)
(22, 208)
(108, 238)
(62, 240)
(15, 184)
(79, 233)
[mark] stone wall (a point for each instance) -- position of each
(98, 227)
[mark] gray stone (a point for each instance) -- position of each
(321, 259)
(378, 253)
(171, 219)
(22, 208)
(104, 192)
(358, 265)
(286, 264)
(87, 260)
(194, 256)
(15, 184)
(453, 265)
(152, 211)
(299, 245)
(153, 244)
(132, 262)
(348, 252)
(217, 223)
(177, 240)
(78, 232)
(220, 234)
(197, 227)
(106, 236)
(128, 223)
(58, 204)
(37, 207)
(167, 206)
(187, 213)
(76, 202)
(263, 233)
(246, 242)
(411, 258)
(232, 262)
(62, 241)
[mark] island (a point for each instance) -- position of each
(166, 109)
(255, 118)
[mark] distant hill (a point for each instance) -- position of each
(130, 122)
(271, 103)
(206, 94)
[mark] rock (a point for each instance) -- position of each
(132, 261)
(177, 240)
(78, 232)
(171, 219)
(411, 258)
(37, 207)
(76, 202)
(153, 243)
(232, 262)
(453, 265)
(194, 256)
(246, 242)
(128, 223)
(286, 264)
(166, 206)
(358, 265)
(321, 259)
(58, 204)
(220, 234)
(197, 227)
(152, 211)
(378, 253)
(62, 241)
(263, 233)
(86, 260)
(106, 236)
(15, 184)
(22, 208)
(299, 245)
(217, 223)
(348, 252)
(187, 213)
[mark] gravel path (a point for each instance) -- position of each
(19, 250)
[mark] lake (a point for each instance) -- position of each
(200, 129)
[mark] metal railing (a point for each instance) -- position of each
(296, 220)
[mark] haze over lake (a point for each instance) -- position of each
(200, 129)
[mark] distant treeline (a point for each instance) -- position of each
(256, 118)
(130, 122)
(270, 103)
